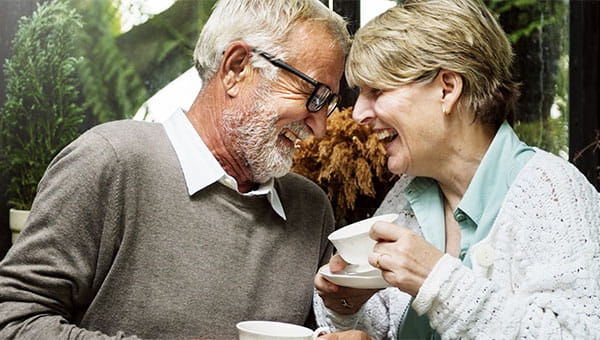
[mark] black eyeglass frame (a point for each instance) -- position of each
(313, 104)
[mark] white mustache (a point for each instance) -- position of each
(299, 129)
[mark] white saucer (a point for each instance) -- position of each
(352, 269)
(367, 280)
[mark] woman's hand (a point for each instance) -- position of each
(347, 335)
(404, 257)
(342, 300)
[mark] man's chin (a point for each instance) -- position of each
(274, 171)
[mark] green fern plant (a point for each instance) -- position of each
(42, 112)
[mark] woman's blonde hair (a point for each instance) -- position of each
(414, 40)
(262, 24)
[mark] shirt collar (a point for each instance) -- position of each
(501, 163)
(200, 167)
(426, 201)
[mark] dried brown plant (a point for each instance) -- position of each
(350, 164)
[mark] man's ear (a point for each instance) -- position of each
(235, 67)
(452, 86)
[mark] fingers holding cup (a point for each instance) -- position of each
(337, 263)
(385, 232)
(323, 285)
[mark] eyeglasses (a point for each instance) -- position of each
(322, 94)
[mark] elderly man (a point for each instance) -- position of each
(182, 229)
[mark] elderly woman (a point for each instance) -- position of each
(496, 239)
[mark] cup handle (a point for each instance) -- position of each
(320, 331)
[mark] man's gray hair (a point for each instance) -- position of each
(262, 24)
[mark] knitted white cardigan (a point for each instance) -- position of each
(536, 275)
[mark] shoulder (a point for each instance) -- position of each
(113, 143)
(305, 203)
(394, 201)
(127, 131)
(551, 194)
(548, 174)
(124, 137)
(295, 185)
(549, 223)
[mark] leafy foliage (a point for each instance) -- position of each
(111, 87)
(549, 134)
(538, 33)
(161, 49)
(350, 164)
(41, 114)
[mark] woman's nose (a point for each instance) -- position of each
(363, 110)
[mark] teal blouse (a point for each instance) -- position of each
(475, 213)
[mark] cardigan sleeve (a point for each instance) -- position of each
(546, 263)
(380, 316)
(52, 272)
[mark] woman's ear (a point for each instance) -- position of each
(235, 67)
(452, 86)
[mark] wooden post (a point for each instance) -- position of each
(584, 88)
(349, 9)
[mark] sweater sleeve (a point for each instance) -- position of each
(380, 316)
(546, 264)
(51, 274)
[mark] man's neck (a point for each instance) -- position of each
(205, 118)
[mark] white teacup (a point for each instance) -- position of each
(354, 244)
(273, 330)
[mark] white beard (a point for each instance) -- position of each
(254, 137)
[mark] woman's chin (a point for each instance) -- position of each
(396, 167)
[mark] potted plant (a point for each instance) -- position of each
(42, 112)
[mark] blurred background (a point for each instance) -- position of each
(68, 65)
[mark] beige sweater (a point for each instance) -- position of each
(115, 247)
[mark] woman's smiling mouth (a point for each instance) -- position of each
(386, 136)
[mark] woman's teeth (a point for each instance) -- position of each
(386, 136)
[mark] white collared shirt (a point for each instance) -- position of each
(200, 168)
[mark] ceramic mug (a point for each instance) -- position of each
(273, 330)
